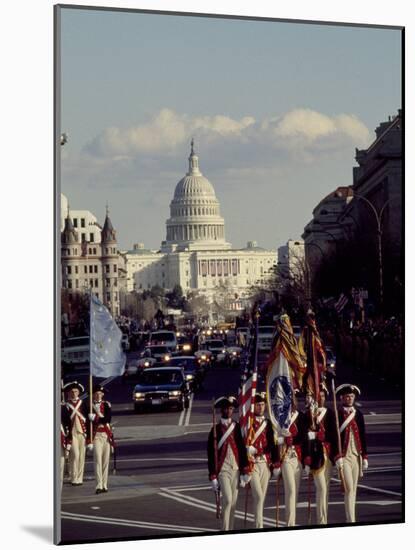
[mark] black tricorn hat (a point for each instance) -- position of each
(223, 402)
(260, 397)
(347, 388)
(73, 386)
(99, 387)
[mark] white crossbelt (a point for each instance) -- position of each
(259, 431)
(347, 421)
(75, 411)
(226, 435)
(321, 415)
(97, 407)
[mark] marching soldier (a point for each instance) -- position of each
(78, 417)
(291, 445)
(101, 438)
(353, 458)
(66, 438)
(227, 459)
(320, 450)
(263, 455)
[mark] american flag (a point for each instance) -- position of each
(246, 403)
(341, 302)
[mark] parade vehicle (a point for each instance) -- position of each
(184, 344)
(161, 386)
(194, 372)
(75, 351)
(164, 338)
(265, 337)
(216, 348)
(160, 354)
(125, 342)
(204, 358)
(233, 356)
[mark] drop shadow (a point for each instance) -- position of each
(43, 532)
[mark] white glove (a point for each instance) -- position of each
(90, 447)
(215, 484)
(306, 470)
(251, 450)
(365, 464)
(245, 479)
(280, 440)
(91, 416)
(311, 436)
(66, 453)
(276, 472)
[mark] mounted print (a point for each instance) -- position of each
(229, 274)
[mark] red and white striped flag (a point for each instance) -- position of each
(246, 403)
(341, 303)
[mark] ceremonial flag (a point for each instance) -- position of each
(341, 303)
(316, 358)
(246, 397)
(106, 355)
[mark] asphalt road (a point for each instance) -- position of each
(161, 485)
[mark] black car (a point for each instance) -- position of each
(193, 371)
(216, 347)
(161, 354)
(161, 386)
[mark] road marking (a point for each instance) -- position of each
(181, 417)
(374, 489)
(95, 507)
(132, 523)
(189, 410)
(371, 412)
(341, 503)
(197, 503)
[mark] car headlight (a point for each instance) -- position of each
(186, 347)
(234, 353)
(166, 358)
(203, 356)
(175, 393)
(332, 365)
(189, 376)
(139, 395)
(146, 363)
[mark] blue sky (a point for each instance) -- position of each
(276, 110)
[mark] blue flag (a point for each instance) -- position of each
(279, 393)
(106, 355)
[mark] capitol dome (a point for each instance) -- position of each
(195, 222)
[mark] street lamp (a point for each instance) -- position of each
(378, 217)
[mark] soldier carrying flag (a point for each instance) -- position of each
(285, 370)
(101, 438)
(227, 459)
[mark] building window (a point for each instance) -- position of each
(69, 270)
(94, 250)
(91, 237)
(76, 283)
(96, 283)
(91, 269)
(82, 222)
(107, 269)
(108, 282)
(91, 283)
(115, 297)
(85, 269)
(95, 269)
(115, 282)
(106, 251)
(108, 296)
(69, 283)
(83, 237)
(90, 251)
(75, 222)
(115, 268)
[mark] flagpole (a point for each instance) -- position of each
(90, 361)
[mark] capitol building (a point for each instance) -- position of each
(195, 254)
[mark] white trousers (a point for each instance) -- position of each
(291, 475)
(228, 481)
(77, 458)
(102, 452)
(259, 484)
(62, 464)
(351, 471)
(322, 484)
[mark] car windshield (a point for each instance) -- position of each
(158, 349)
(163, 337)
(82, 341)
(158, 378)
(214, 344)
(182, 362)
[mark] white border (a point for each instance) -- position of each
(27, 270)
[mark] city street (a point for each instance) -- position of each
(161, 484)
